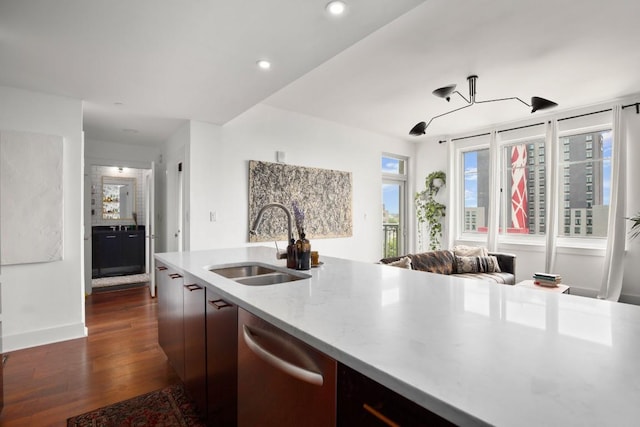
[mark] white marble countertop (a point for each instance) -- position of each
(471, 351)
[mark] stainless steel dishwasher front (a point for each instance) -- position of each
(281, 380)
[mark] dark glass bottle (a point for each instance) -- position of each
(303, 253)
(292, 261)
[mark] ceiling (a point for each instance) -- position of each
(145, 67)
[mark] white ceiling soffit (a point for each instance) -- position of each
(575, 53)
(173, 59)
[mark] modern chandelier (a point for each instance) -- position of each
(537, 103)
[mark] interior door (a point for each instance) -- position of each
(393, 223)
(150, 236)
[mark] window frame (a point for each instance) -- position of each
(514, 239)
(402, 179)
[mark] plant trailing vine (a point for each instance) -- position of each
(429, 211)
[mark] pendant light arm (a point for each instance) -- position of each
(504, 99)
(463, 97)
(448, 112)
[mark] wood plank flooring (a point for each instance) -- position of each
(120, 359)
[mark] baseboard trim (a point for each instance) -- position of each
(42, 337)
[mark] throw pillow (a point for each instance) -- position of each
(477, 264)
(404, 262)
(463, 250)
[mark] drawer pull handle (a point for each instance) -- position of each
(110, 237)
(161, 268)
(193, 287)
(379, 416)
(175, 276)
(219, 303)
(132, 235)
(289, 368)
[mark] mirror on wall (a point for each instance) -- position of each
(118, 197)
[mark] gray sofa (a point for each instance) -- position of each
(446, 262)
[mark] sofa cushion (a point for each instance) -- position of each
(477, 264)
(502, 278)
(463, 250)
(404, 262)
(441, 262)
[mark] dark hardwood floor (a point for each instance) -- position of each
(120, 359)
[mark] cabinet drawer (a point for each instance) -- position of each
(364, 402)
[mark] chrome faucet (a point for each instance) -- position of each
(256, 223)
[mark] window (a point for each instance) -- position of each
(394, 177)
(588, 167)
(581, 197)
(476, 190)
(525, 184)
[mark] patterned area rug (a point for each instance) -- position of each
(119, 280)
(167, 408)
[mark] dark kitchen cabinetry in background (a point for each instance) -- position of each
(117, 252)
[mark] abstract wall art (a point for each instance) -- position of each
(31, 203)
(325, 197)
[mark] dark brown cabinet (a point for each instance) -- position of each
(195, 347)
(364, 402)
(171, 316)
(222, 360)
(197, 330)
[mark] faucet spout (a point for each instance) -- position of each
(254, 228)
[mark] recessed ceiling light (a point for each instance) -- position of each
(336, 7)
(263, 64)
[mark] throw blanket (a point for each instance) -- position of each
(441, 262)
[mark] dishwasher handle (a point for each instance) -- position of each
(288, 368)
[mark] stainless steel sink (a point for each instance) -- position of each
(254, 274)
(244, 270)
(269, 279)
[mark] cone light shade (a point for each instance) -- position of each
(418, 129)
(445, 92)
(538, 103)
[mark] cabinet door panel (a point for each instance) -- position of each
(222, 358)
(170, 316)
(195, 358)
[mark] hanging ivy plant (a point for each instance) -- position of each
(429, 211)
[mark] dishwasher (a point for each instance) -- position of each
(281, 380)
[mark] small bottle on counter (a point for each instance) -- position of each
(291, 255)
(303, 252)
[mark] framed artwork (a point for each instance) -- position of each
(323, 195)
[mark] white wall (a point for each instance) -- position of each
(107, 153)
(219, 175)
(44, 302)
(582, 268)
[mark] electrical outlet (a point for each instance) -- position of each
(213, 216)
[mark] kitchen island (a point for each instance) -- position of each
(472, 352)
